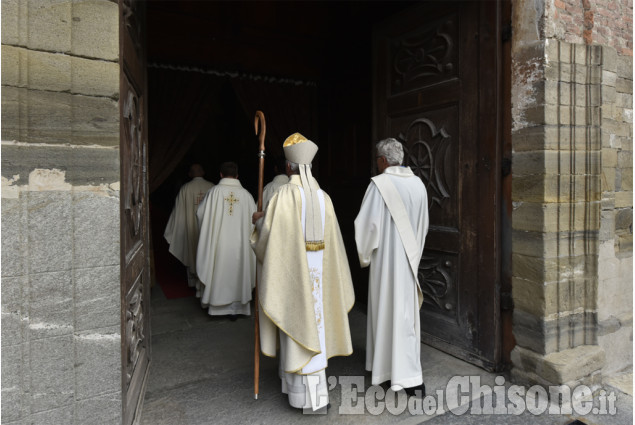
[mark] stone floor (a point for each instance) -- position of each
(202, 373)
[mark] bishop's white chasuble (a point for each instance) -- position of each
(304, 392)
(267, 193)
(393, 342)
(226, 264)
(304, 295)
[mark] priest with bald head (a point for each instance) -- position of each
(306, 289)
(226, 265)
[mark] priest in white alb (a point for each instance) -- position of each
(278, 181)
(181, 231)
(306, 289)
(226, 265)
(390, 233)
(269, 190)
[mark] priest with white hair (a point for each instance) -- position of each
(390, 233)
(306, 290)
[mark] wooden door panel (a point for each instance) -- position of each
(429, 82)
(430, 139)
(136, 354)
(134, 231)
(425, 55)
(431, 142)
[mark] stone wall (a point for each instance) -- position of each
(615, 288)
(556, 195)
(609, 24)
(572, 194)
(601, 22)
(61, 355)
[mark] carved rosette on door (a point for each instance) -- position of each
(427, 153)
(427, 157)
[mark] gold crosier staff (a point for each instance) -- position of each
(258, 119)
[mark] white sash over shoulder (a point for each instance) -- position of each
(399, 215)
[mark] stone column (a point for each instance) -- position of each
(615, 268)
(61, 355)
(556, 220)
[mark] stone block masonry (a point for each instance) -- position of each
(572, 189)
(615, 269)
(61, 343)
(557, 191)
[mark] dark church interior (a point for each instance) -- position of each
(345, 74)
(306, 65)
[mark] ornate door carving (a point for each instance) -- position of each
(436, 91)
(135, 282)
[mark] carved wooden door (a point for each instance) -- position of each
(436, 90)
(135, 276)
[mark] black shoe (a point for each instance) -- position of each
(415, 390)
(233, 317)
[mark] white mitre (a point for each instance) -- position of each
(301, 150)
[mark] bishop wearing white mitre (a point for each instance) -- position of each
(225, 263)
(181, 231)
(306, 290)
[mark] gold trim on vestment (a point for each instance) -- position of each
(327, 359)
(314, 245)
(317, 371)
(339, 355)
(297, 342)
(339, 289)
(304, 365)
(302, 345)
(267, 355)
(286, 333)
